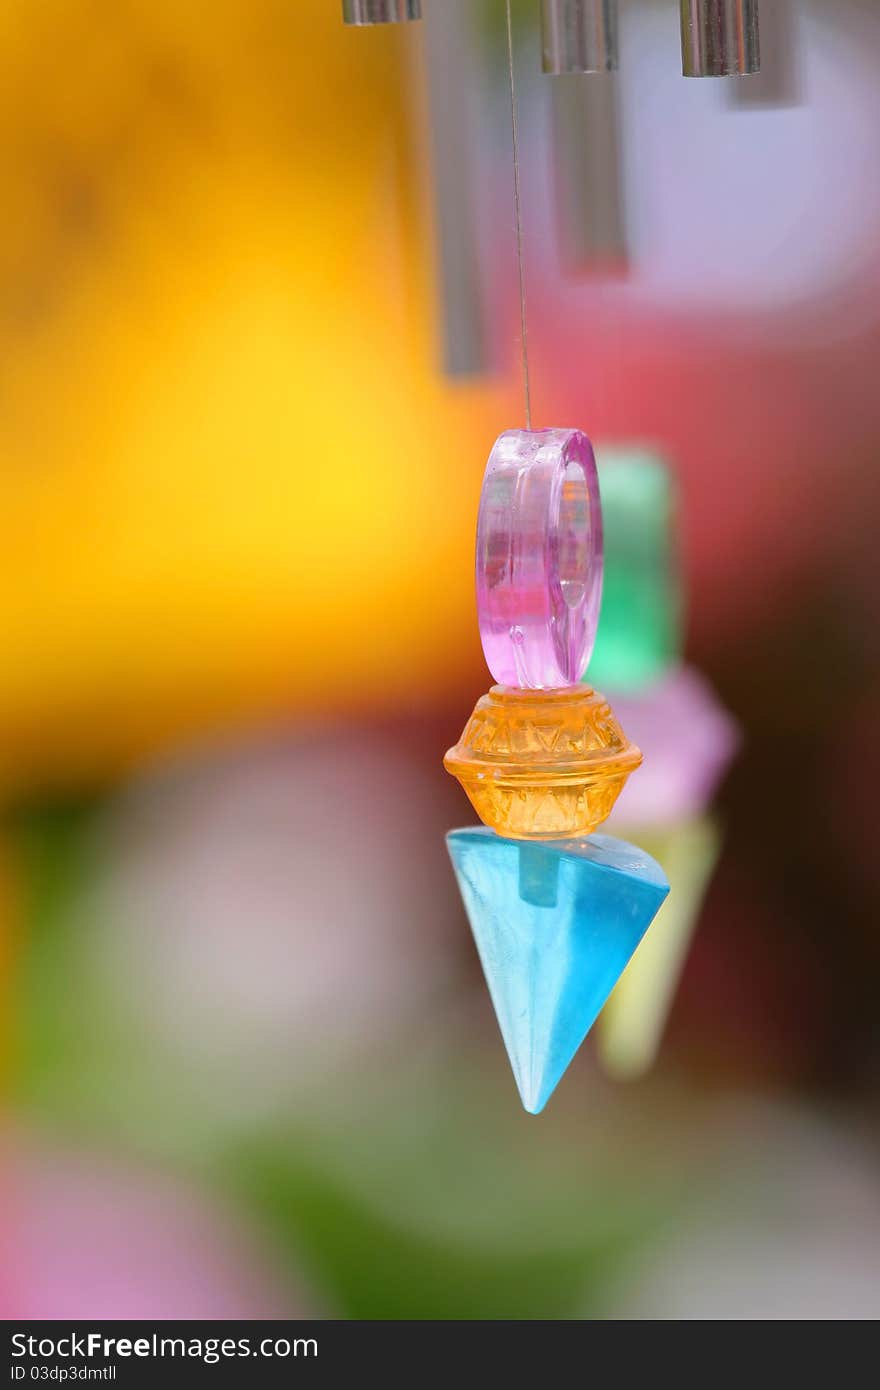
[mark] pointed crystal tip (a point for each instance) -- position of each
(555, 925)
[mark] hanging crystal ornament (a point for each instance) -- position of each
(629, 1033)
(556, 911)
(689, 741)
(687, 736)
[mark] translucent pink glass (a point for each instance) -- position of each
(539, 558)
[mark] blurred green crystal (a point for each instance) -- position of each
(640, 624)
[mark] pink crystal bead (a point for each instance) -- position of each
(539, 558)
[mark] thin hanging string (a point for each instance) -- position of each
(517, 202)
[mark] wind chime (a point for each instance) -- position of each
(719, 38)
(556, 909)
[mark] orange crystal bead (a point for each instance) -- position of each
(542, 764)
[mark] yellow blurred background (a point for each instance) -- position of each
(227, 455)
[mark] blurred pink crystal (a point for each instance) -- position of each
(688, 740)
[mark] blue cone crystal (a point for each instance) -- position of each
(555, 925)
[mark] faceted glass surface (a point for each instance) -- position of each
(555, 925)
(542, 764)
(639, 626)
(539, 558)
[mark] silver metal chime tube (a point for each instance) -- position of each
(579, 36)
(454, 60)
(589, 174)
(780, 81)
(719, 38)
(380, 11)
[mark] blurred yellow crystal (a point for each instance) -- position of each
(631, 1025)
(542, 764)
